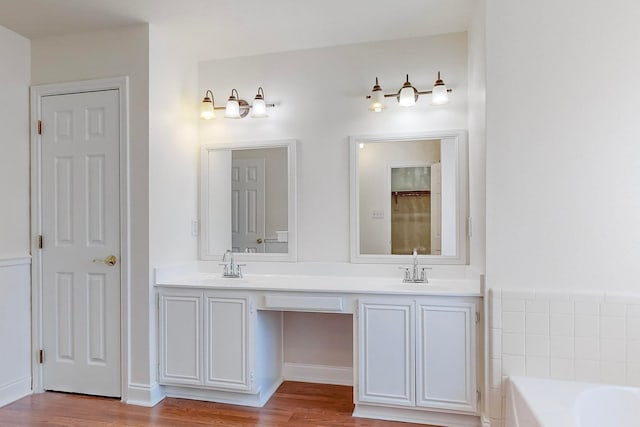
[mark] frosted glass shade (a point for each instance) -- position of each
(259, 108)
(377, 101)
(439, 96)
(206, 110)
(407, 96)
(232, 110)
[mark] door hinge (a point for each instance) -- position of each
(477, 317)
(39, 127)
(478, 395)
(40, 240)
(251, 308)
(252, 377)
(41, 356)
(469, 227)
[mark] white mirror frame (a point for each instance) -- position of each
(209, 231)
(462, 220)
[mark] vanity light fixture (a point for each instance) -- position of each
(235, 108)
(408, 95)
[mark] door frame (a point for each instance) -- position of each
(37, 93)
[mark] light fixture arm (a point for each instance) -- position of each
(439, 82)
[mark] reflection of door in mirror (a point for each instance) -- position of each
(400, 197)
(415, 206)
(247, 205)
(259, 200)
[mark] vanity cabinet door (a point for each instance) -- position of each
(227, 331)
(386, 352)
(180, 337)
(446, 355)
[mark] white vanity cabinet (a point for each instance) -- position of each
(205, 339)
(417, 353)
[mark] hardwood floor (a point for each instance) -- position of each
(294, 404)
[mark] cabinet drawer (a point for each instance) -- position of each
(303, 303)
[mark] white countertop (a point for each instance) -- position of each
(324, 284)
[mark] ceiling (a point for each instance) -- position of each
(225, 28)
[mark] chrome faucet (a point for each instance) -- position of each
(231, 269)
(417, 274)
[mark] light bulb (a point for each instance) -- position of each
(232, 110)
(207, 111)
(377, 98)
(259, 107)
(407, 95)
(439, 95)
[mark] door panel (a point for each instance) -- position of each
(227, 342)
(386, 353)
(446, 356)
(81, 223)
(248, 205)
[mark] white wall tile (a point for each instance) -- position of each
(537, 306)
(561, 324)
(513, 305)
(633, 310)
(495, 375)
(613, 327)
(612, 309)
(562, 369)
(537, 323)
(495, 313)
(587, 370)
(587, 307)
(587, 348)
(561, 307)
(587, 326)
(537, 345)
(537, 366)
(633, 328)
(613, 350)
(512, 322)
(513, 365)
(513, 344)
(613, 372)
(633, 374)
(495, 343)
(633, 351)
(561, 347)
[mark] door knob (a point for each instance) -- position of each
(259, 241)
(110, 260)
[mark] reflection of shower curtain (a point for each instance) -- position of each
(410, 222)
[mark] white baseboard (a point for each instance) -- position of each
(257, 400)
(418, 416)
(339, 375)
(144, 394)
(14, 390)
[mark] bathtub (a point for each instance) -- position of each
(534, 402)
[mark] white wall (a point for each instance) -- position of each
(14, 141)
(321, 102)
(563, 152)
(173, 160)
(119, 52)
(15, 290)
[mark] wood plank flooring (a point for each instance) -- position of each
(294, 404)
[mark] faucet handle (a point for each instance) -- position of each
(407, 274)
(423, 274)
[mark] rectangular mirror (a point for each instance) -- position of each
(409, 192)
(248, 200)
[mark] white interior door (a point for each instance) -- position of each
(80, 227)
(247, 205)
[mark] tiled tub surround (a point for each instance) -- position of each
(569, 335)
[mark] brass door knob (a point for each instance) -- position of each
(111, 260)
(259, 241)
